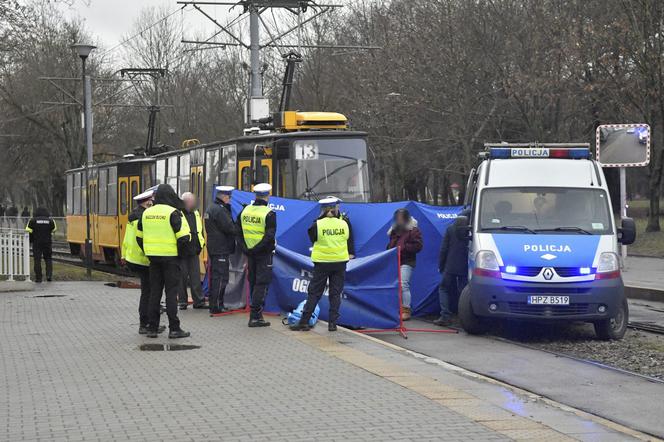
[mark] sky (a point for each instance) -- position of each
(111, 20)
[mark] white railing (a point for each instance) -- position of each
(14, 254)
(19, 223)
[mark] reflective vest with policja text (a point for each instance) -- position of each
(158, 236)
(130, 250)
(332, 242)
(253, 224)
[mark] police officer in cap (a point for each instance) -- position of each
(258, 227)
(163, 233)
(221, 244)
(332, 240)
(41, 228)
(134, 258)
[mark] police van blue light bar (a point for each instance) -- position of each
(540, 152)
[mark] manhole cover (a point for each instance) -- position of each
(167, 347)
(49, 296)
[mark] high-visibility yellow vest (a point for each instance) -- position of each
(131, 252)
(332, 242)
(158, 236)
(253, 224)
(199, 228)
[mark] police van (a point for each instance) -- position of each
(543, 241)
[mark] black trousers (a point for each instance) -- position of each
(190, 269)
(164, 276)
(259, 269)
(39, 251)
(143, 272)
(335, 273)
(219, 275)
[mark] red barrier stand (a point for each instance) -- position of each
(402, 329)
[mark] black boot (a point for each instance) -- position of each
(300, 326)
(331, 326)
(260, 322)
(174, 334)
(143, 329)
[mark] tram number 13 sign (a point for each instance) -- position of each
(306, 150)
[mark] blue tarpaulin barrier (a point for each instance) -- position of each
(371, 292)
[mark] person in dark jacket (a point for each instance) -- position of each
(133, 257)
(41, 228)
(163, 233)
(405, 234)
(12, 211)
(453, 265)
(256, 236)
(2, 210)
(25, 213)
(221, 244)
(190, 266)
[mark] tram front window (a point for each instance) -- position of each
(331, 167)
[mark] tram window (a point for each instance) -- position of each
(77, 194)
(285, 177)
(160, 177)
(172, 173)
(264, 176)
(199, 191)
(103, 185)
(211, 172)
(192, 180)
(147, 176)
(134, 192)
(112, 194)
(183, 181)
(70, 194)
(123, 198)
(227, 176)
(246, 178)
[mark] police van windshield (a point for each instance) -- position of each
(545, 210)
(331, 166)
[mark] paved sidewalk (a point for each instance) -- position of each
(71, 370)
(644, 272)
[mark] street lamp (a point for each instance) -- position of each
(83, 51)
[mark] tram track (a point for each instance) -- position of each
(66, 257)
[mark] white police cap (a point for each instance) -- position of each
(262, 189)
(145, 195)
(226, 190)
(329, 201)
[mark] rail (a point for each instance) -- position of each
(14, 254)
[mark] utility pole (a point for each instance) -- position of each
(257, 105)
(83, 51)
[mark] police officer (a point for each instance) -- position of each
(221, 244)
(162, 232)
(190, 266)
(41, 227)
(258, 227)
(135, 259)
(332, 248)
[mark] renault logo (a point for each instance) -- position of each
(548, 273)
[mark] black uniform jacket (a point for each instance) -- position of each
(453, 258)
(42, 228)
(220, 229)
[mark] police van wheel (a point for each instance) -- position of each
(614, 328)
(470, 322)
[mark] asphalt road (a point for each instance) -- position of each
(621, 147)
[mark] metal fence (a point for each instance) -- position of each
(14, 254)
(18, 223)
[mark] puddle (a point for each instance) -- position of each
(49, 296)
(167, 347)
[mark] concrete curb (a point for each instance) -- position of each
(16, 286)
(644, 293)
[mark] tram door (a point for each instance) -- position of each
(123, 206)
(246, 174)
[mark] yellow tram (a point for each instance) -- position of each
(112, 187)
(306, 155)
